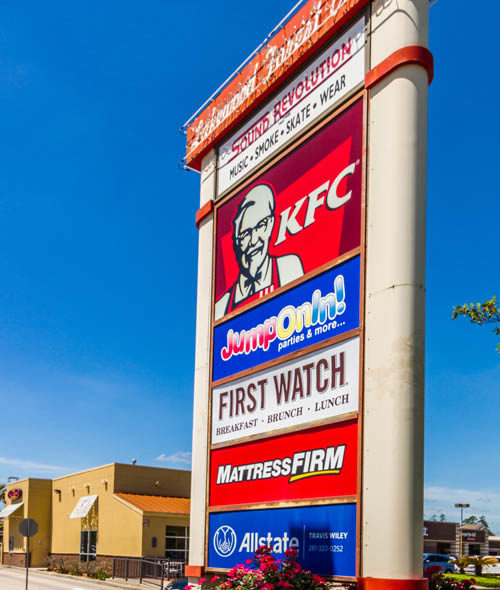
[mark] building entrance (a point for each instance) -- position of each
(443, 548)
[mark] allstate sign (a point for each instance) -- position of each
(323, 307)
(324, 536)
(224, 541)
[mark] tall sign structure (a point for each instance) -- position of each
(309, 369)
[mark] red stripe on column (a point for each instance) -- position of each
(383, 584)
(203, 212)
(414, 54)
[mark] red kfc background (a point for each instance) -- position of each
(279, 488)
(319, 160)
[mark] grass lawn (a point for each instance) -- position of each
(480, 580)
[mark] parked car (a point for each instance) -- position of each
(442, 561)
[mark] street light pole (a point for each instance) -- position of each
(461, 506)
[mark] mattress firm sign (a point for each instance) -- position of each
(316, 463)
(333, 74)
(324, 536)
(316, 310)
(316, 386)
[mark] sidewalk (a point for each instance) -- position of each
(131, 584)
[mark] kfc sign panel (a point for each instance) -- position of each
(303, 212)
(316, 463)
(322, 307)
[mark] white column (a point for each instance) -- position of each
(202, 369)
(392, 506)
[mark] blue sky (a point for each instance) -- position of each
(98, 242)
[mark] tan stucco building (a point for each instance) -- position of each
(116, 510)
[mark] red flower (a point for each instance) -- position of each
(215, 578)
(433, 569)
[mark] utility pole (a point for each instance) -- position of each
(461, 506)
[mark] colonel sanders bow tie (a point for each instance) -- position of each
(251, 282)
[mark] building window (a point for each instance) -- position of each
(11, 544)
(177, 542)
(88, 545)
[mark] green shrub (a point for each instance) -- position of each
(74, 567)
(487, 582)
(100, 575)
(99, 570)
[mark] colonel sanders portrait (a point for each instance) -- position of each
(259, 272)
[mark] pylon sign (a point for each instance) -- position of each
(286, 329)
(279, 393)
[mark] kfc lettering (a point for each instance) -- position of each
(325, 194)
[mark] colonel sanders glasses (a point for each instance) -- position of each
(244, 238)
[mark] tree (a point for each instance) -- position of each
(479, 562)
(481, 313)
(442, 517)
(475, 520)
(461, 562)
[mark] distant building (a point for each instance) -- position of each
(117, 510)
(494, 543)
(444, 538)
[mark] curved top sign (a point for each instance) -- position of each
(295, 42)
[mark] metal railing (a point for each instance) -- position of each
(148, 568)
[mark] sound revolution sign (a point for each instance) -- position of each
(278, 421)
(318, 87)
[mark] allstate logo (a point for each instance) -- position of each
(224, 541)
